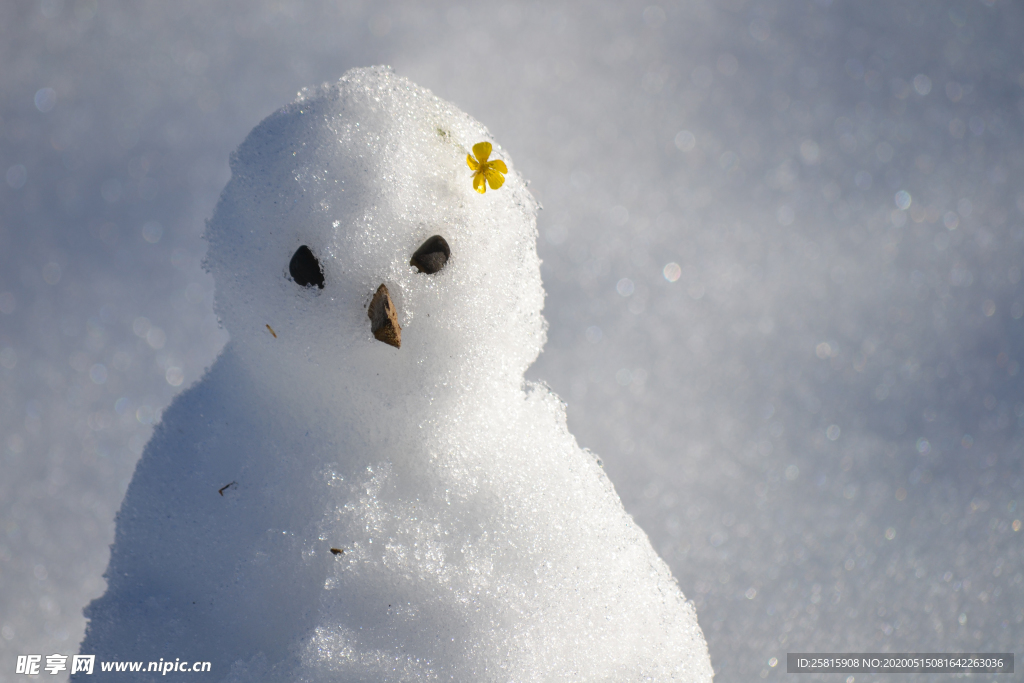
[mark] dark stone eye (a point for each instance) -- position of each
(432, 255)
(305, 269)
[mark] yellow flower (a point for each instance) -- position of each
(483, 169)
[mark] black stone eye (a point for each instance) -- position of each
(432, 255)
(305, 269)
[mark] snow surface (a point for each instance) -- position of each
(477, 540)
(759, 146)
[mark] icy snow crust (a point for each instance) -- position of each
(480, 542)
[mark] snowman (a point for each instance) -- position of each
(362, 487)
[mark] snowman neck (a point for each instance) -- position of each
(364, 394)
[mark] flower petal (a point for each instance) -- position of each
(499, 165)
(494, 179)
(472, 163)
(482, 150)
(478, 183)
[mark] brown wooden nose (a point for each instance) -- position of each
(384, 318)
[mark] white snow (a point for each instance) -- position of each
(730, 282)
(479, 541)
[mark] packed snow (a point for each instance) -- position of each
(322, 505)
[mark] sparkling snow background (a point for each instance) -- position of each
(815, 413)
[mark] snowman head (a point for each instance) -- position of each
(364, 183)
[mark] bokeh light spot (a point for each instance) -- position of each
(922, 84)
(45, 99)
(16, 176)
(685, 140)
(152, 231)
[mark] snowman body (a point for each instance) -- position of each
(323, 506)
